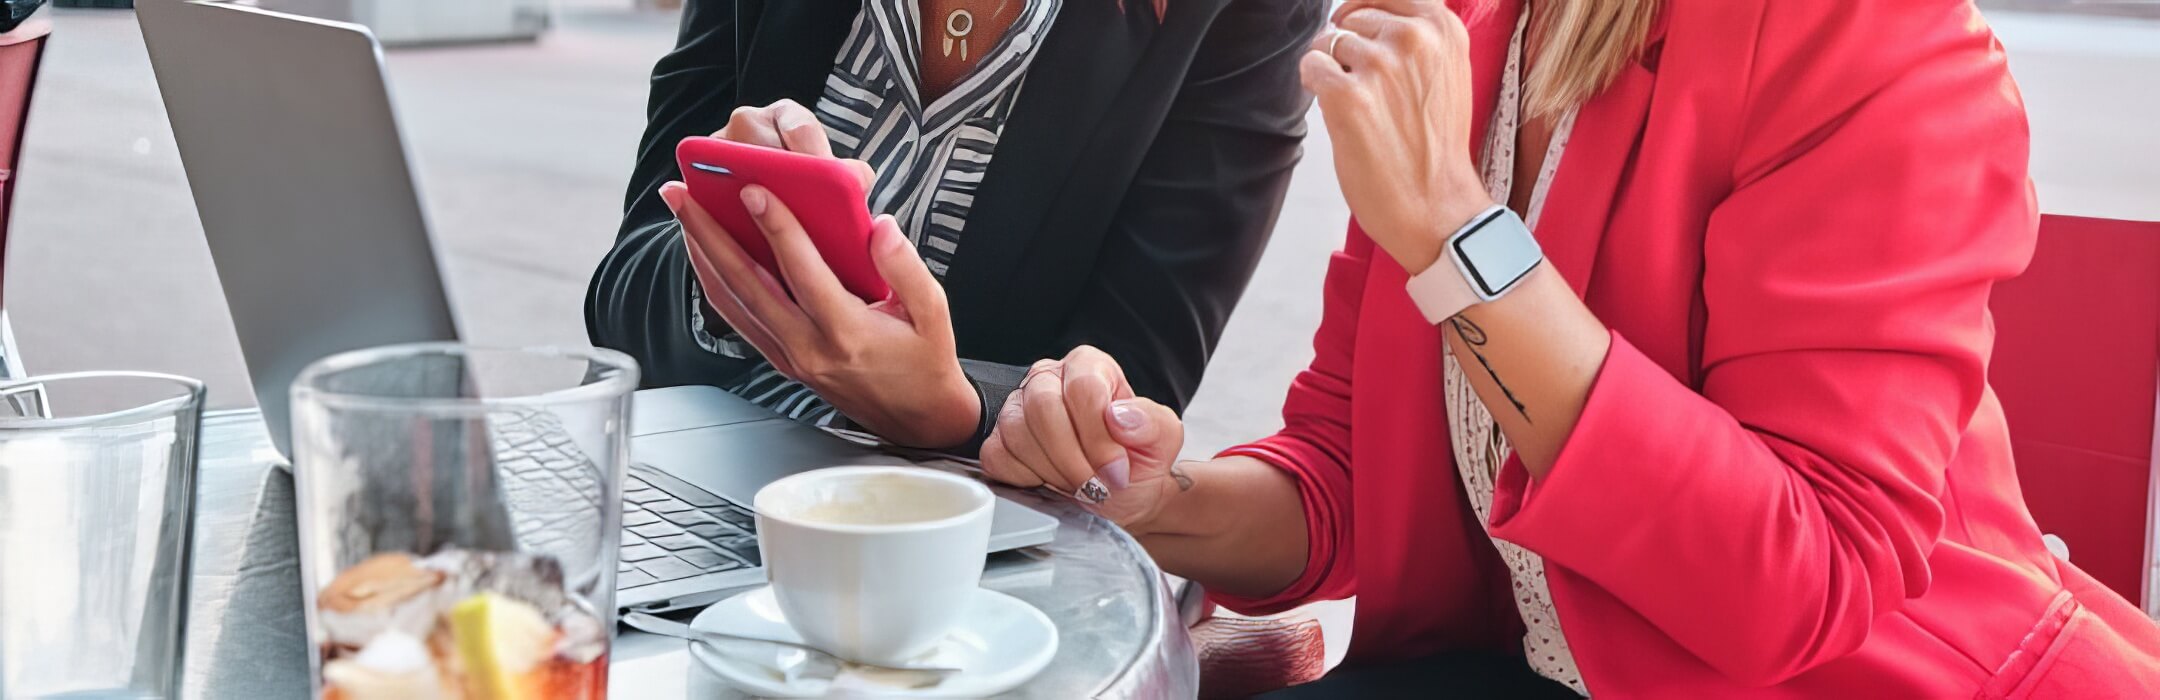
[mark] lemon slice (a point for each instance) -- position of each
(501, 641)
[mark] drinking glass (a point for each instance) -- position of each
(97, 491)
(459, 513)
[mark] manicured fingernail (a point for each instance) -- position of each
(672, 194)
(753, 199)
(1127, 415)
(1118, 473)
(1092, 492)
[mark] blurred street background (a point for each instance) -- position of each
(523, 149)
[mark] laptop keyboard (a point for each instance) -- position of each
(671, 529)
(674, 530)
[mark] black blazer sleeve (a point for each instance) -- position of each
(1200, 210)
(638, 301)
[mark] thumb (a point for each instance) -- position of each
(1152, 436)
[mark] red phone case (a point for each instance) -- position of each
(823, 193)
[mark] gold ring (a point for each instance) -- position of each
(1332, 41)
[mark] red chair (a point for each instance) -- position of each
(2077, 367)
(1242, 657)
(20, 51)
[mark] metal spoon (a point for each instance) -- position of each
(809, 662)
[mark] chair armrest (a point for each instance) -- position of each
(1245, 656)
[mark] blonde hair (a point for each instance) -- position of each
(1580, 47)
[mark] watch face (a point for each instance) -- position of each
(1497, 254)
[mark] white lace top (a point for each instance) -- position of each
(1480, 449)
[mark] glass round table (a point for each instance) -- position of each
(1119, 634)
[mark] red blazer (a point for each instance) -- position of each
(1791, 478)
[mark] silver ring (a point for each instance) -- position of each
(1055, 371)
(1332, 41)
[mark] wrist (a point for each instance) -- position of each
(1435, 224)
(951, 414)
(1171, 512)
(1147, 524)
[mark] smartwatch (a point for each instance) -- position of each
(1480, 262)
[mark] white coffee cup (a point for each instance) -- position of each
(874, 564)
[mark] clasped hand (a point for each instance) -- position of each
(1075, 427)
(1393, 81)
(891, 365)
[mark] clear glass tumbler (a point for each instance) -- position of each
(459, 513)
(97, 509)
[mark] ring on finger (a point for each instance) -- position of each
(1333, 41)
(1054, 370)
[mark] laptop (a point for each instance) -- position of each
(285, 128)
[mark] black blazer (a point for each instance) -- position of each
(1133, 187)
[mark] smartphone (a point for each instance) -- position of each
(823, 193)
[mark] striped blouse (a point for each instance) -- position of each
(929, 158)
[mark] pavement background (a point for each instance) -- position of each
(523, 150)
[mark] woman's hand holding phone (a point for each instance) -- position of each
(890, 365)
(788, 126)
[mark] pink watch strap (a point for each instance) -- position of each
(1441, 291)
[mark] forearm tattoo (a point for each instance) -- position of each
(1474, 338)
(1184, 480)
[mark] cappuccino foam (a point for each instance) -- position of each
(878, 499)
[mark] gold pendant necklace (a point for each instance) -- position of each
(958, 24)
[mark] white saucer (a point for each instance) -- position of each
(1001, 643)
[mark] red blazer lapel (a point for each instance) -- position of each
(1587, 185)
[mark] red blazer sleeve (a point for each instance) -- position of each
(1881, 190)
(1314, 444)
